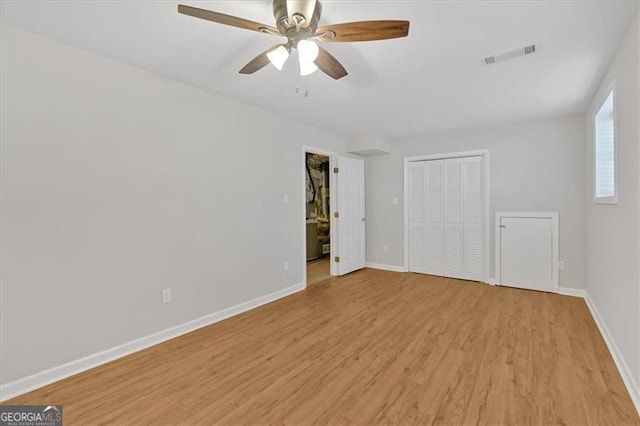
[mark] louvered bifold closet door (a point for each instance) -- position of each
(453, 219)
(473, 208)
(435, 217)
(417, 218)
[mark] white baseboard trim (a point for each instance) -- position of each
(623, 368)
(491, 281)
(43, 378)
(384, 267)
(575, 292)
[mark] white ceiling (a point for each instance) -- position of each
(431, 81)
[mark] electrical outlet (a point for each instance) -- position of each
(285, 199)
(394, 201)
(561, 265)
(286, 266)
(166, 295)
(385, 249)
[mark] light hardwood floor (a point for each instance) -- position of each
(318, 271)
(371, 348)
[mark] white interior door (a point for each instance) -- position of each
(426, 217)
(446, 214)
(434, 217)
(473, 207)
(526, 252)
(417, 218)
(453, 219)
(351, 218)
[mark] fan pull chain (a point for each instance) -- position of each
(300, 91)
(297, 78)
(306, 84)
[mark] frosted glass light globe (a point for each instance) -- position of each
(278, 56)
(308, 51)
(307, 68)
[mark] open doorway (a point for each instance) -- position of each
(317, 217)
(333, 217)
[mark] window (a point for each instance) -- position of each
(605, 153)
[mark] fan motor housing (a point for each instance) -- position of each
(295, 33)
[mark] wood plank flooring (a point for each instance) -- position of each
(374, 347)
(318, 271)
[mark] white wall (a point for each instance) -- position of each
(536, 166)
(613, 231)
(117, 183)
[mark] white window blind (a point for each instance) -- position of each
(605, 176)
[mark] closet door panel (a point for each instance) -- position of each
(453, 218)
(473, 208)
(435, 216)
(417, 218)
(446, 217)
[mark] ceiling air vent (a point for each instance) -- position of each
(528, 50)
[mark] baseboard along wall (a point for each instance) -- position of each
(35, 381)
(43, 378)
(383, 267)
(623, 368)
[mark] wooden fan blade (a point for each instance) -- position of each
(259, 62)
(363, 31)
(221, 18)
(330, 65)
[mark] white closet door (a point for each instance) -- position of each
(453, 219)
(435, 217)
(446, 217)
(527, 252)
(473, 208)
(417, 218)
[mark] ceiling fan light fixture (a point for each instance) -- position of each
(308, 51)
(297, 21)
(278, 56)
(307, 68)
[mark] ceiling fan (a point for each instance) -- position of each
(297, 20)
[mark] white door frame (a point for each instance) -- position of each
(555, 241)
(484, 153)
(332, 201)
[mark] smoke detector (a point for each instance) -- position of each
(527, 50)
